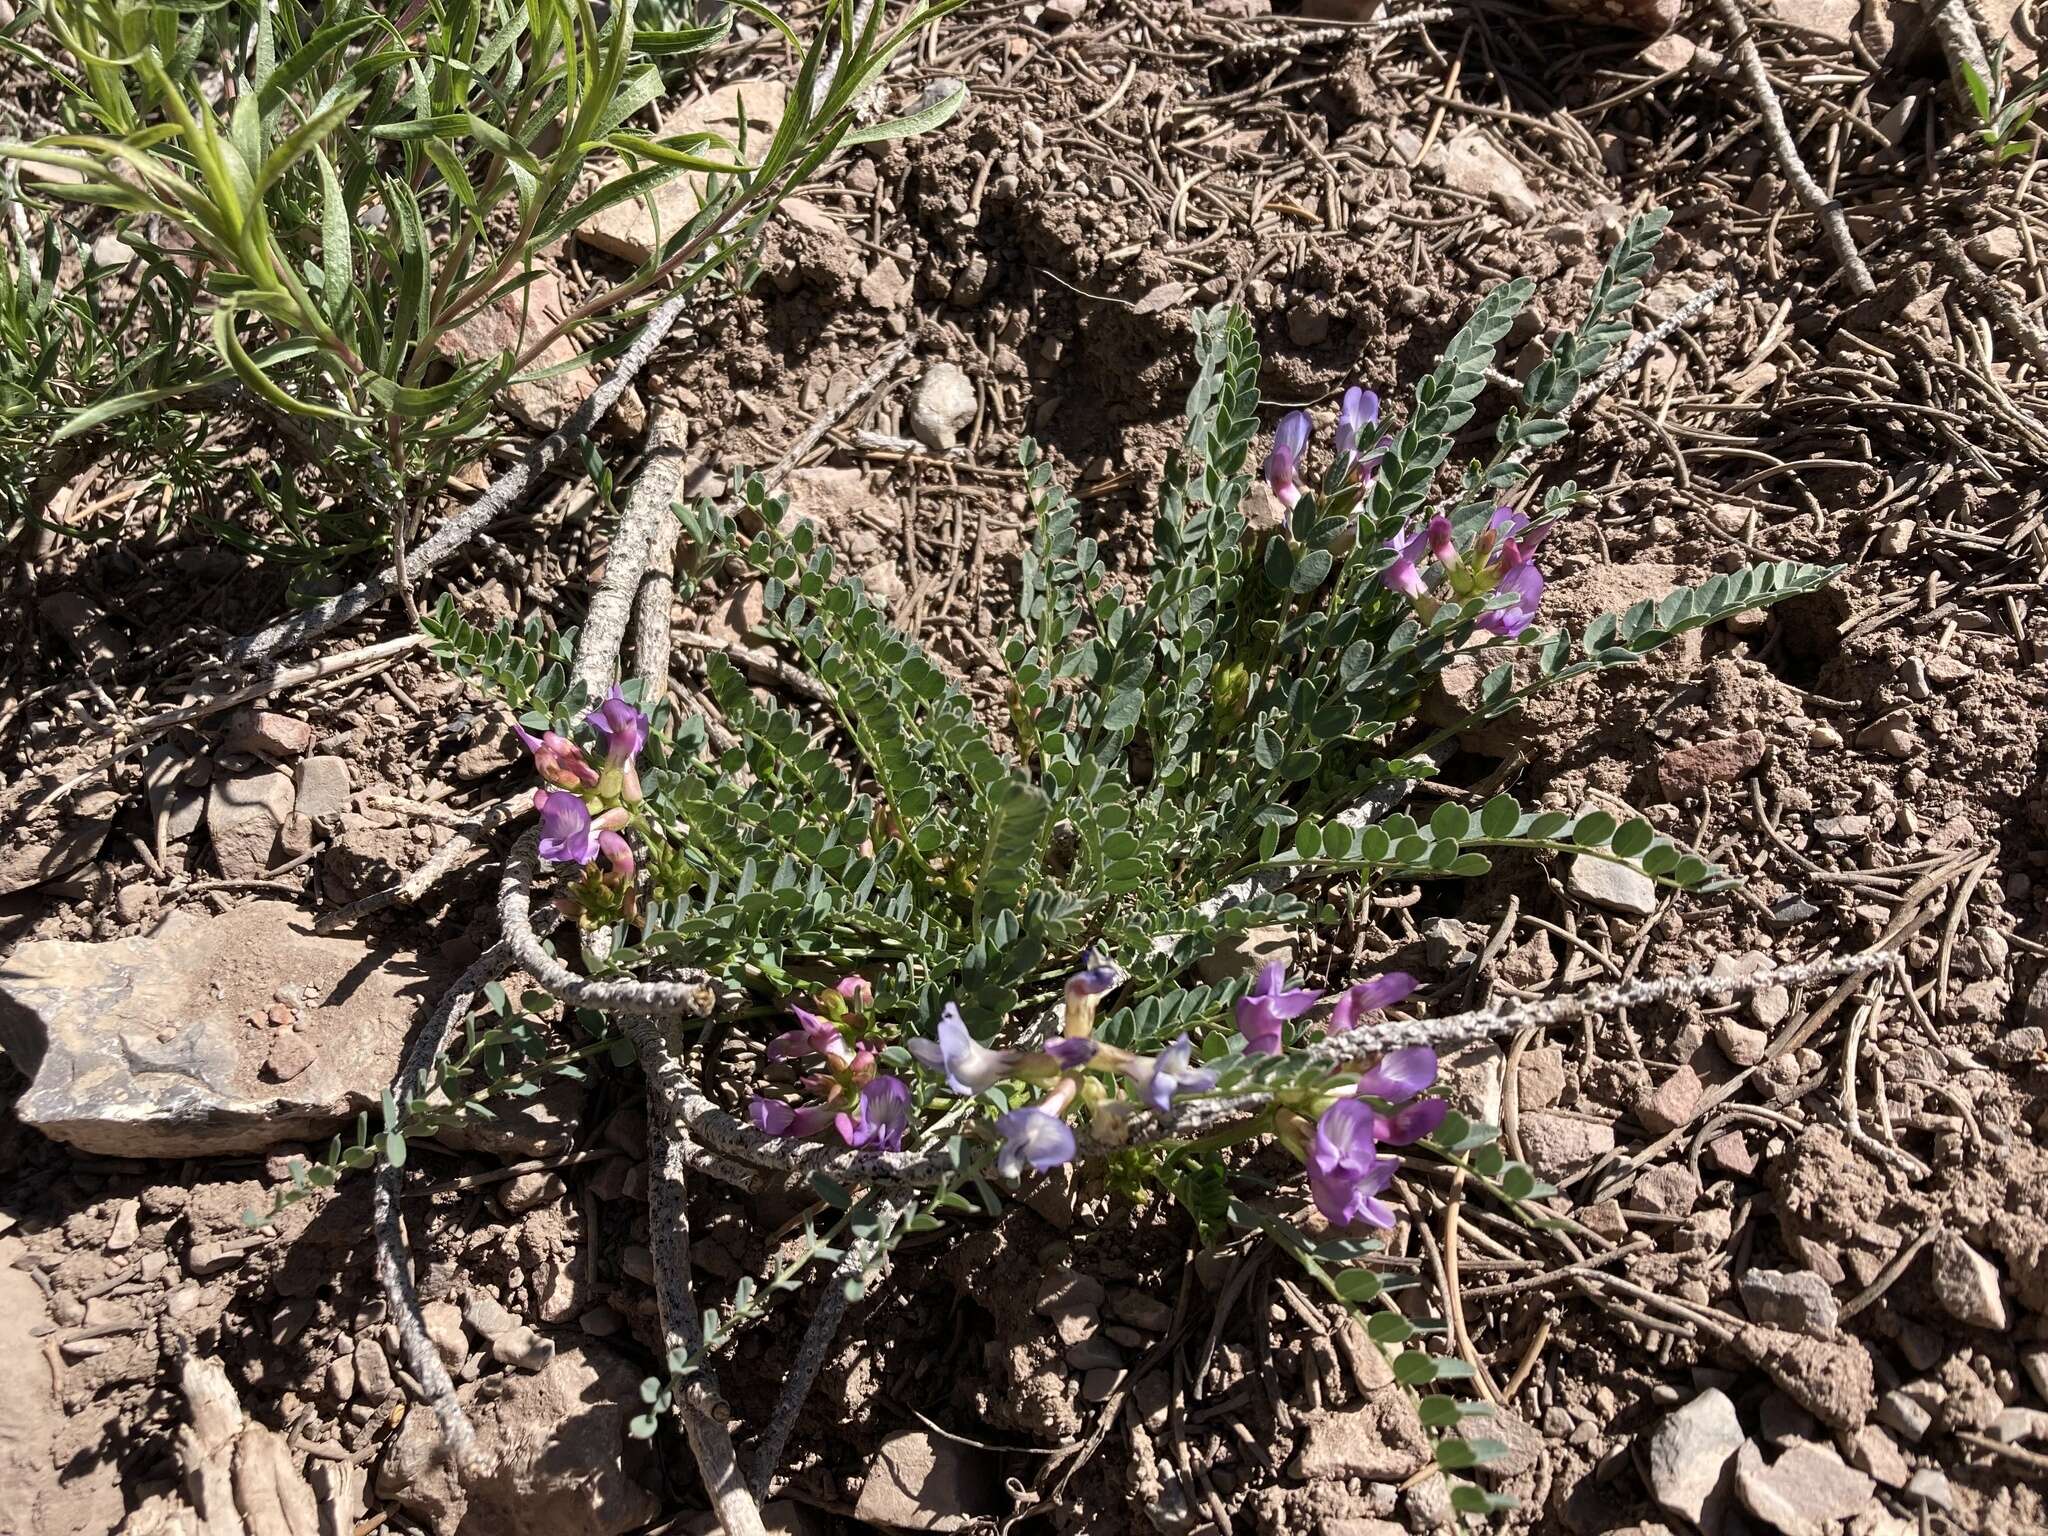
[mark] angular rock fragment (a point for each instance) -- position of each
(155, 1046)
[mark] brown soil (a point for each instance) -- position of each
(1110, 176)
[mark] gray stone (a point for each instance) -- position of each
(244, 814)
(1616, 887)
(942, 407)
(523, 1348)
(322, 787)
(1903, 1411)
(561, 1461)
(1932, 1485)
(443, 1321)
(923, 1482)
(1808, 1491)
(1669, 1189)
(150, 1047)
(1966, 1283)
(1796, 1300)
(1689, 1461)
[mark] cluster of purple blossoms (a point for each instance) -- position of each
(848, 1094)
(1500, 563)
(1283, 468)
(1263, 1012)
(1037, 1136)
(586, 807)
(1347, 1172)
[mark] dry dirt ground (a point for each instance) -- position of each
(1815, 1293)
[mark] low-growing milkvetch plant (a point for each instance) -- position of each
(352, 183)
(963, 953)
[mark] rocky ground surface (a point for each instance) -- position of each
(1813, 1293)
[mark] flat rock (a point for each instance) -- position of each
(321, 787)
(1617, 887)
(561, 1461)
(508, 325)
(1562, 1146)
(1808, 1491)
(922, 1482)
(626, 229)
(1242, 952)
(1689, 1461)
(1966, 1283)
(244, 814)
(1380, 1440)
(1674, 1101)
(154, 1046)
(1793, 1299)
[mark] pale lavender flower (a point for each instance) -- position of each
(1160, 1078)
(566, 836)
(1361, 409)
(970, 1067)
(1369, 996)
(1346, 1174)
(881, 1116)
(1283, 464)
(1268, 1006)
(1411, 1122)
(1032, 1138)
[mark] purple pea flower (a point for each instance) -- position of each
(880, 1118)
(1405, 574)
(772, 1117)
(1396, 1078)
(1411, 1122)
(1169, 1073)
(1283, 464)
(811, 1034)
(1361, 409)
(623, 730)
(566, 836)
(1400, 1074)
(1269, 1005)
(1346, 1174)
(970, 1066)
(1520, 580)
(1032, 1138)
(1071, 1052)
(1370, 996)
(558, 760)
(621, 727)
(618, 856)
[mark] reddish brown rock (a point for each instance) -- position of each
(509, 326)
(1684, 772)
